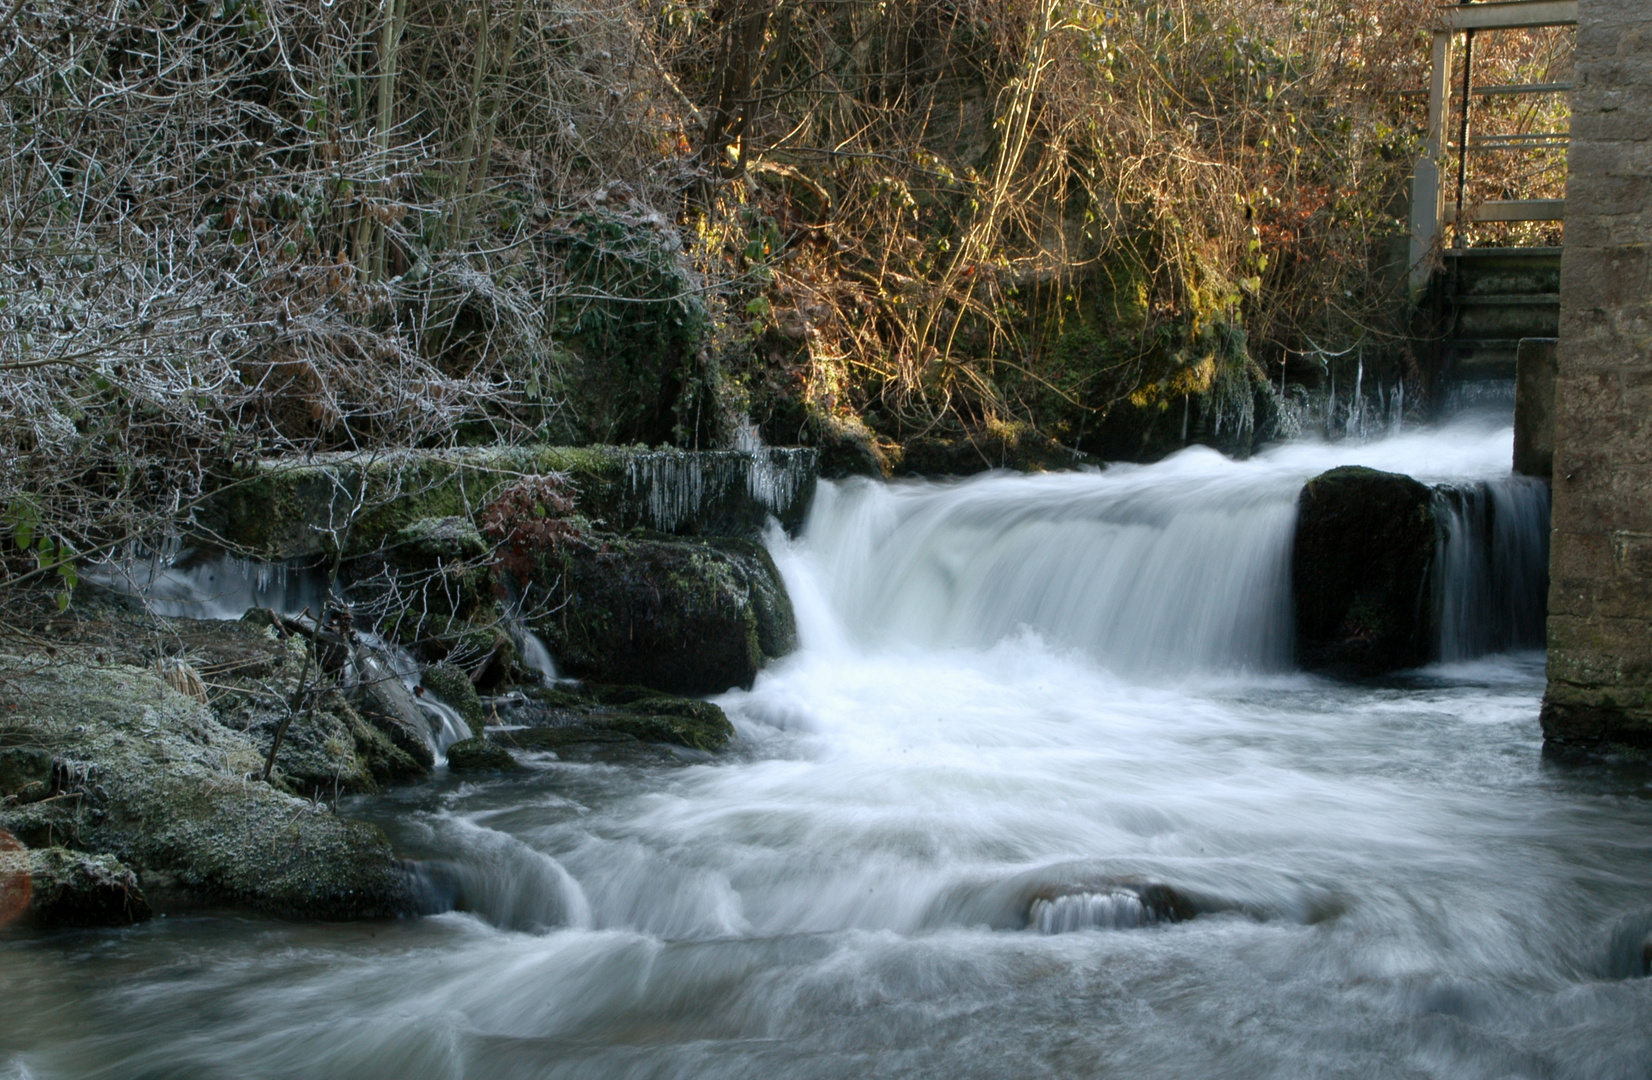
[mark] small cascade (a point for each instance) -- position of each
(194, 586)
(1115, 910)
(1492, 585)
(537, 656)
(1178, 569)
(376, 659)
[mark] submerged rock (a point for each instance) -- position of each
(1365, 541)
(681, 616)
(156, 780)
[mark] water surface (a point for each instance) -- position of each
(1009, 689)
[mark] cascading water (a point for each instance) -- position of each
(1493, 577)
(374, 659)
(1174, 568)
(537, 656)
(976, 827)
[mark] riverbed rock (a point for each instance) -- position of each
(72, 888)
(156, 780)
(681, 616)
(1360, 572)
(559, 716)
(253, 666)
(479, 755)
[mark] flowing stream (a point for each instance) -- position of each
(1040, 795)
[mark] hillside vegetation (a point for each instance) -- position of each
(235, 228)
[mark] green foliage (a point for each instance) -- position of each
(55, 556)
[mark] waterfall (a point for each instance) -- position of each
(374, 659)
(1176, 568)
(1493, 566)
(1167, 570)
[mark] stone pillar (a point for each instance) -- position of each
(1600, 597)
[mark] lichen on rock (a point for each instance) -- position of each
(153, 778)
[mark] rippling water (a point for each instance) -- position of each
(1022, 705)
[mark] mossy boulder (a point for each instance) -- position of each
(684, 617)
(72, 888)
(254, 671)
(1361, 572)
(479, 755)
(154, 779)
(455, 688)
(564, 715)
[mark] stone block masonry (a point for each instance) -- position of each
(1600, 596)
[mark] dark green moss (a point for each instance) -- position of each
(593, 712)
(680, 616)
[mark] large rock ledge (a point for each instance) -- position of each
(280, 508)
(108, 759)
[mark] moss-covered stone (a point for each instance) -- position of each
(286, 508)
(479, 755)
(454, 687)
(72, 888)
(680, 616)
(1360, 572)
(593, 713)
(447, 538)
(154, 779)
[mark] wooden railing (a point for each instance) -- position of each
(1429, 209)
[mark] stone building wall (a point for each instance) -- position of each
(1600, 599)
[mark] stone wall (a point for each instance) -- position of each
(1600, 599)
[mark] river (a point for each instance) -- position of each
(1025, 711)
